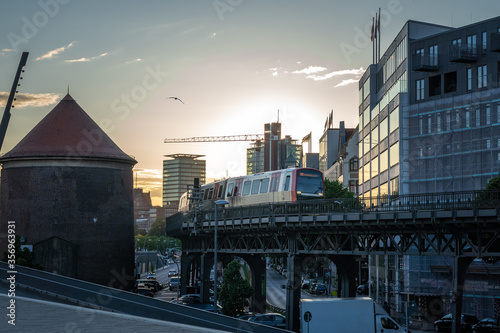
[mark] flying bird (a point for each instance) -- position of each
(177, 99)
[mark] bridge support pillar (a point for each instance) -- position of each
(258, 282)
(293, 292)
(347, 271)
(186, 261)
(460, 266)
(206, 266)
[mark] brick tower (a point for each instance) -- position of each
(68, 188)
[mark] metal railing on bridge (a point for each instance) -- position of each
(389, 203)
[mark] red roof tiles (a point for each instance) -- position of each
(67, 131)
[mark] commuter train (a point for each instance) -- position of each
(291, 184)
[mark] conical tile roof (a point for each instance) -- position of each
(67, 131)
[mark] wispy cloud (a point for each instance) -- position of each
(310, 70)
(347, 82)
(55, 52)
(87, 59)
(133, 61)
(33, 100)
(5, 51)
(354, 71)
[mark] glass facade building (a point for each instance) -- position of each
(429, 122)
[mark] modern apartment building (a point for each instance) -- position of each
(429, 113)
(179, 172)
(429, 122)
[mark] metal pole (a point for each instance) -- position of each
(6, 114)
(215, 261)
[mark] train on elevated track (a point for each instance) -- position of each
(287, 185)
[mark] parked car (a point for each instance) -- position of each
(150, 283)
(362, 289)
(145, 291)
(486, 325)
(466, 323)
(190, 298)
(270, 319)
(318, 289)
(174, 283)
(172, 272)
(305, 285)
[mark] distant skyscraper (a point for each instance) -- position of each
(275, 153)
(178, 173)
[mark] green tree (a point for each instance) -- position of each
(334, 189)
(493, 183)
(24, 257)
(158, 227)
(235, 290)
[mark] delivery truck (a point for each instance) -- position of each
(345, 315)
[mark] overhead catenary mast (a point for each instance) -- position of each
(13, 91)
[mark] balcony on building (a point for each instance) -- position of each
(495, 42)
(424, 62)
(463, 53)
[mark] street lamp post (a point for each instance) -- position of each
(217, 203)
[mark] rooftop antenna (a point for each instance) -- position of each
(68, 89)
(278, 116)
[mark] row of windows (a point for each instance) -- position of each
(452, 120)
(394, 60)
(381, 132)
(475, 78)
(380, 163)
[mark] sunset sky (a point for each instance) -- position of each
(234, 63)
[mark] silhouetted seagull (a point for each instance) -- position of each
(177, 99)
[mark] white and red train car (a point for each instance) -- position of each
(287, 185)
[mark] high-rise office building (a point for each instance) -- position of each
(274, 153)
(179, 172)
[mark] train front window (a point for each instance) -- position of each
(310, 183)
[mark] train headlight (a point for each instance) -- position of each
(299, 192)
(320, 194)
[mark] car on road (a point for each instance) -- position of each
(149, 283)
(318, 289)
(466, 323)
(270, 319)
(145, 291)
(151, 276)
(486, 325)
(172, 272)
(190, 299)
(305, 285)
(362, 289)
(174, 283)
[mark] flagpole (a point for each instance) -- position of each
(373, 42)
(378, 35)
